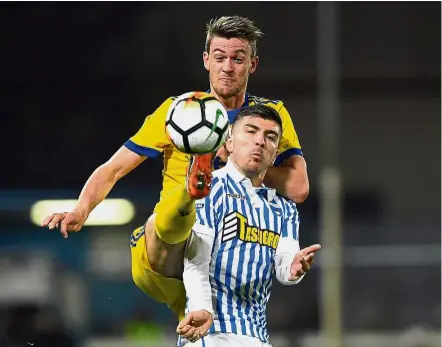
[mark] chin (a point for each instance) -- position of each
(226, 92)
(254, 168)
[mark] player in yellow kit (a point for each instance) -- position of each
(157, 247)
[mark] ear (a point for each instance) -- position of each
(229, 144)
(206, 60)
(253, 64)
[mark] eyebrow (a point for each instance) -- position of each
(240, 51)
(219, 50)
(237, 51)
(270, 131)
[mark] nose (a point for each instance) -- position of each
(260, 141)
(228, 66)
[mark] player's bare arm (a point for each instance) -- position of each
(290, 179)
(94, 191)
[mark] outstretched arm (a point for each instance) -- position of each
(103, 179)
(149, 141)
(95, 190)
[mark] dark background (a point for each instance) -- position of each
(78, 79)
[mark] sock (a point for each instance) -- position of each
(175, 216)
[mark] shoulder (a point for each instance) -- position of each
(276, 104)
(218, 180)
(288, 206)
(219, 174)
(161, 111)
(218, 185)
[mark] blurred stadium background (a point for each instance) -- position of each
(77, 79)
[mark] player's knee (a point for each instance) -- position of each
(137, 273)
(147, 286)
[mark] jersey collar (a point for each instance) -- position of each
(246, 101)
(238, 177)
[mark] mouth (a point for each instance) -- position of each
(256, 155)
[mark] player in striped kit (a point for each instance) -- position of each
(244, 233)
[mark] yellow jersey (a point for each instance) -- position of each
(151, 140)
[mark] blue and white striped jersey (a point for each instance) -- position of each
(249, 226)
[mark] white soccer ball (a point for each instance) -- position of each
(197, 123)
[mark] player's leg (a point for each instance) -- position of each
(157, 247)
(175, 217)
(169, 291)
(176, 212)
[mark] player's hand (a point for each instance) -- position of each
(66, 222)
(302, 262)
(195, 325)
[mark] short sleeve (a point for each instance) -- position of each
(289, 144)
(151, 138)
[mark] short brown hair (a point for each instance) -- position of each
(260, 111)
(233, 26)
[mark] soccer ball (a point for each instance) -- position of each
(197, 123)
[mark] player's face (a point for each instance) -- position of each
(229, 63)
(253, 144)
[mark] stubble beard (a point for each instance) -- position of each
(232, 90)
(255, 169)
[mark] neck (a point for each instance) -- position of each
(230, 103)
(257, 178)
